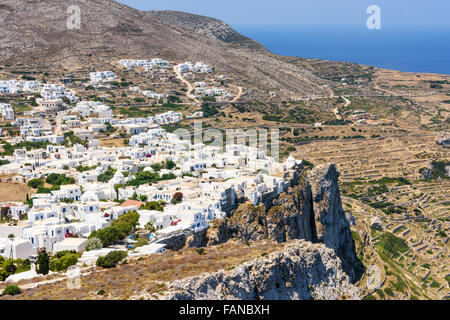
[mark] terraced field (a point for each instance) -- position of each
(381, 178)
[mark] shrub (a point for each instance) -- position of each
(64, 262)
(380, 293)
(389, 292)
(56, 179)
(153, 205)
(141, 242)
(111, 259)
(35, 183)
(177, 198)
(107, 175)
(8, 268)
(149, 226)
(94, 244)
(12, 290)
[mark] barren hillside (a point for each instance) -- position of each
(36, 31)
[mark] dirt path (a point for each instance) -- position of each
(336, 110)
(188, 84)
(239, 95)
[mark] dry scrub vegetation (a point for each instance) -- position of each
(151, 273)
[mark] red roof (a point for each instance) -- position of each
(129, 203)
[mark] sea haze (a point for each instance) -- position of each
(412, 49)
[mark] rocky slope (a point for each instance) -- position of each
(301, 271)
(299, 247)
(35, 32)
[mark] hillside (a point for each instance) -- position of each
(35, 33)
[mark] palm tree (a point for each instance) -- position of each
(150, 227)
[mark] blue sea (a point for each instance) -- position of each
(412, 49)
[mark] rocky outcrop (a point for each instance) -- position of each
(444, 139)
(427, 172)
(376, 224)
(332, 225)
(302, 270)
(312, 210)
(289, 217)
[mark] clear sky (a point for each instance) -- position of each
(308, 12)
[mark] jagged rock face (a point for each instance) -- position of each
(301, 271)
(427, 173)
(332, 225)
(312, 210)
(376, 224)
(444, 139)
(292, 216)
(289, 217)
(247, 223)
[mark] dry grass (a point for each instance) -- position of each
(151, 273)
(14, 191)
(112, 143)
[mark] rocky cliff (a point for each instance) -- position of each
(312, 210)
(302, 270)
(332, 227)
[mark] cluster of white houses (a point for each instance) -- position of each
(147, 64)
(101, 76)
(202, 183)
(16, 86)
(199, 67)
(47, 91)
(211, 180)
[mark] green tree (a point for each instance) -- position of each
(149, 226)
(154, 205)
(56, 179)
(8, 268)
(64, 262)
(43, 261)
(170, 164)
(111, 259)
(35, 183)
(107, 175)
(118, 230)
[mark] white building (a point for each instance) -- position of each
(102, 76)
(6, 111)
